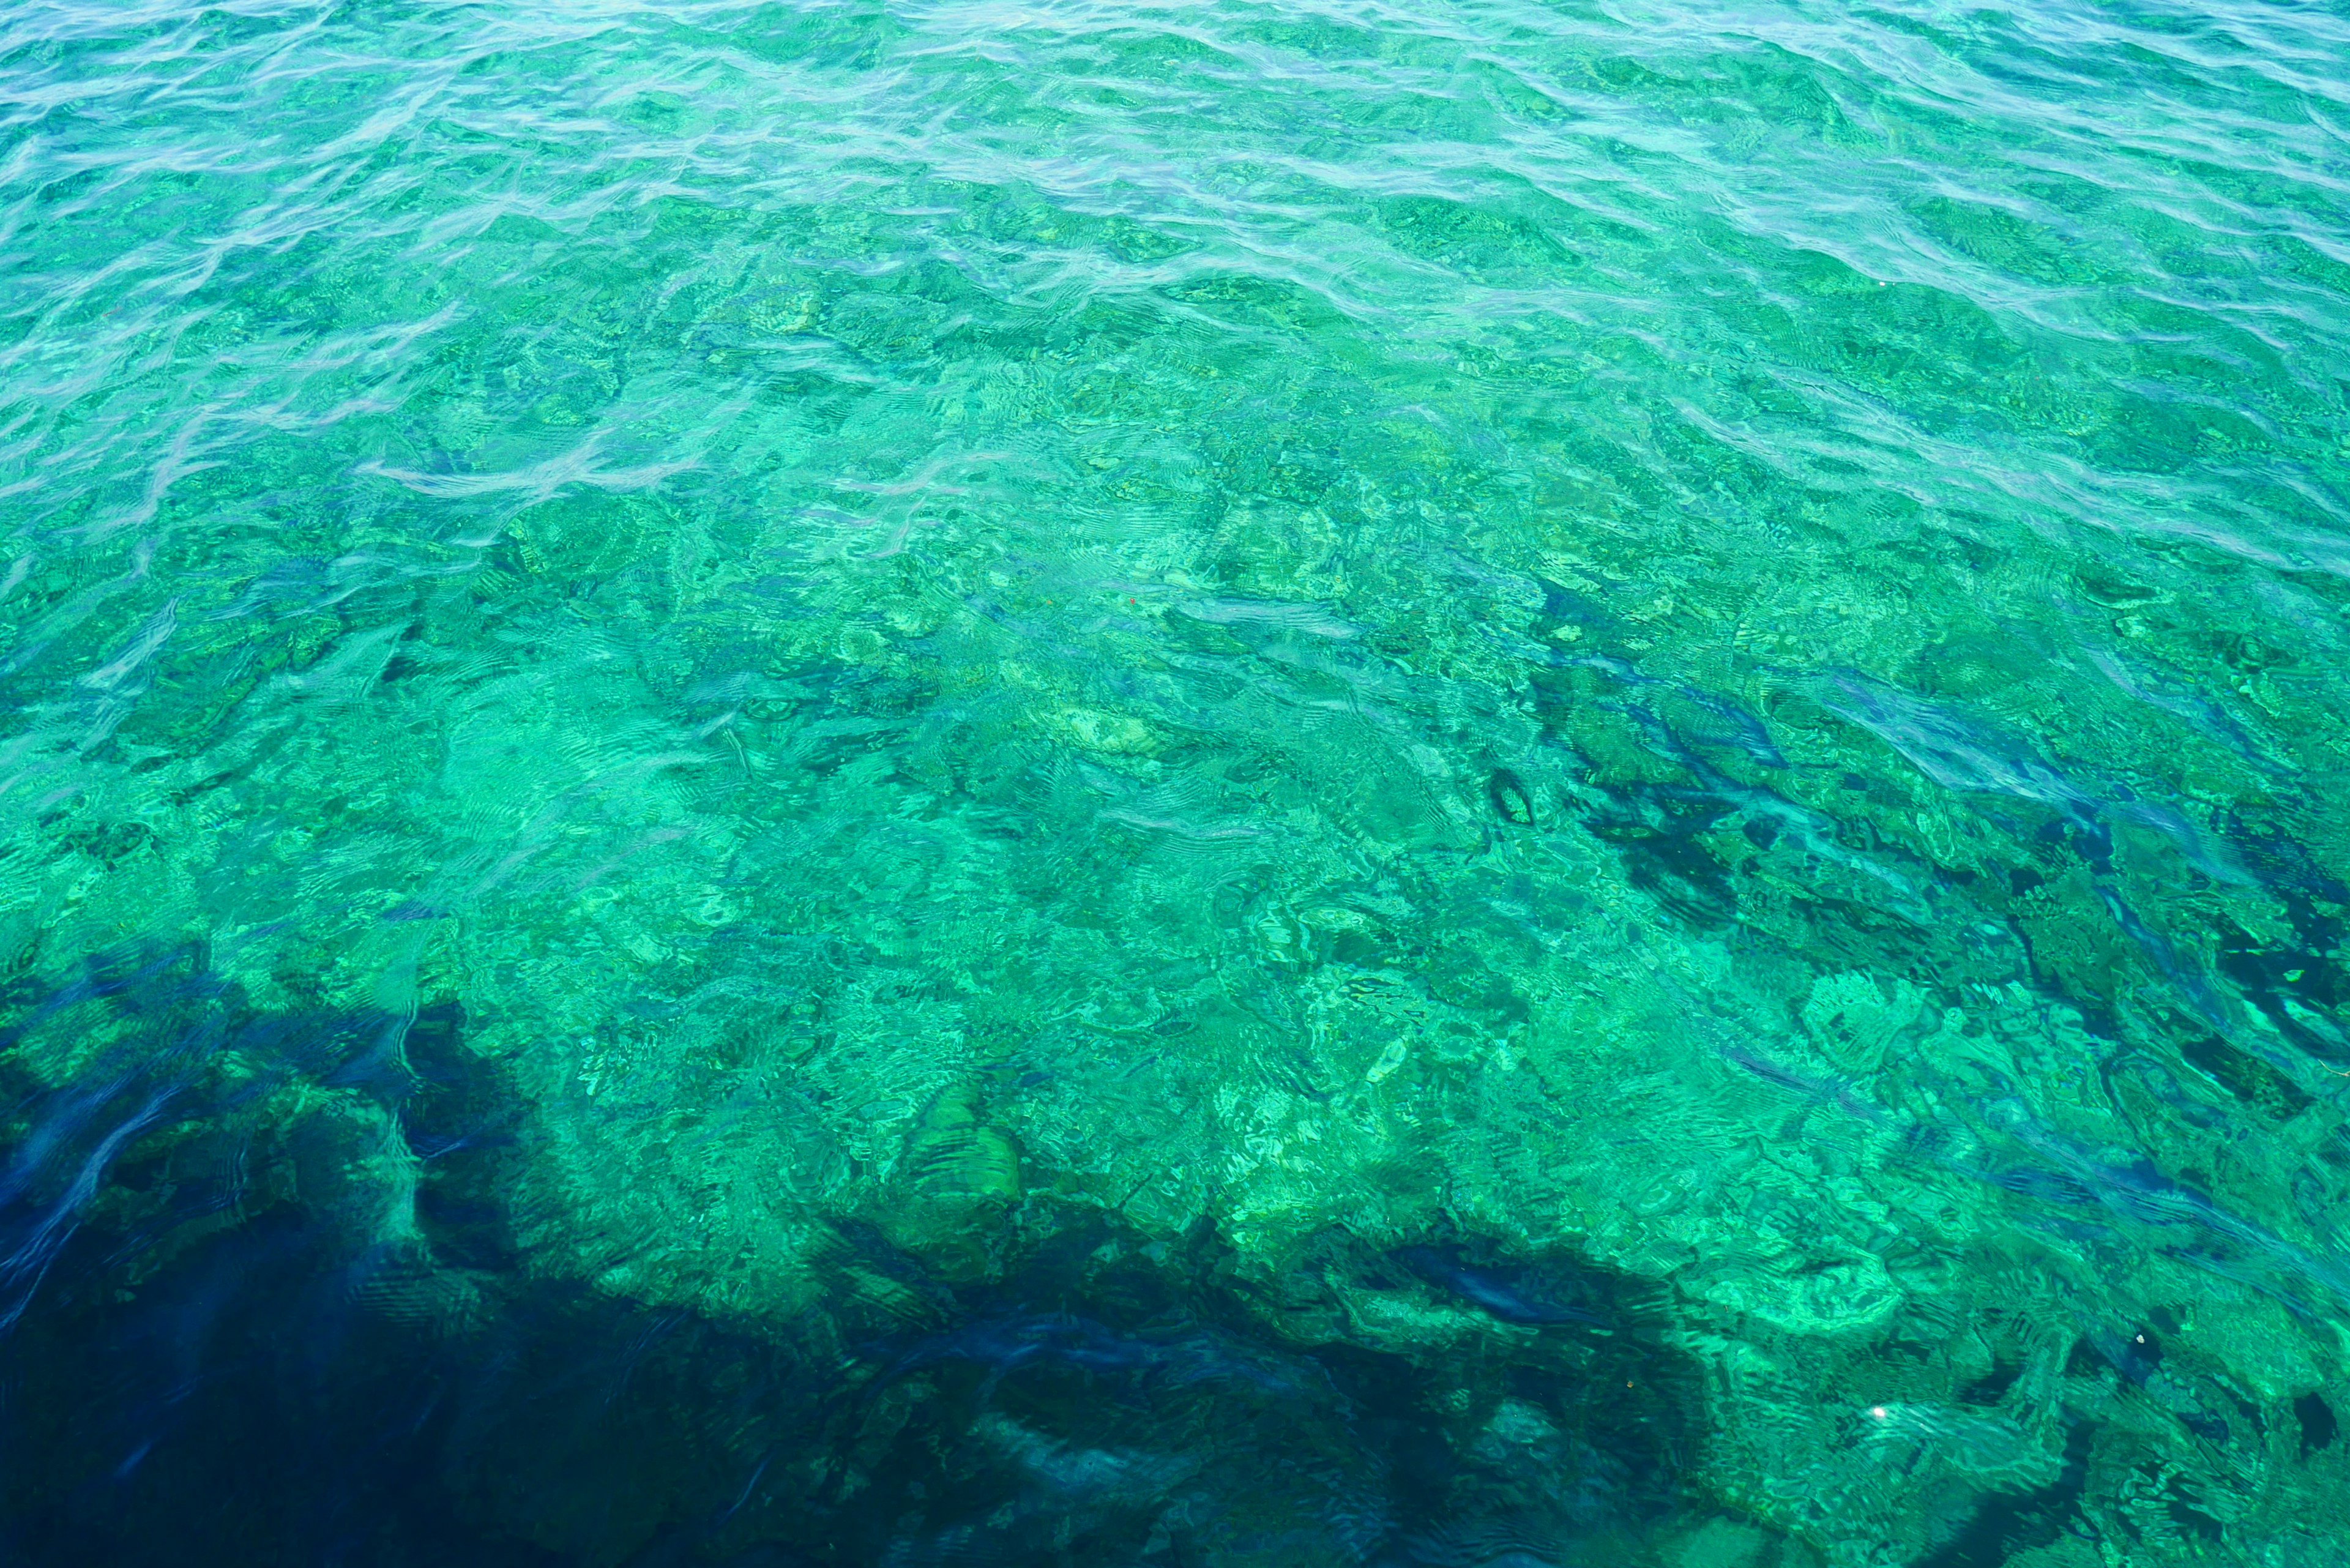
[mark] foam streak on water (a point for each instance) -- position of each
(1094, 783)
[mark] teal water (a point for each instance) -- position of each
(1231, 784)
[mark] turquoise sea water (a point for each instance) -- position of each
(1269, 783)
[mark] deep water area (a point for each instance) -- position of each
(1251, 784)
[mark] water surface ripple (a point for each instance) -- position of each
(1289, 783)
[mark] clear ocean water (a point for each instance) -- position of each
(1262, 783)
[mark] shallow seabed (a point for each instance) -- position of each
(1264, 784)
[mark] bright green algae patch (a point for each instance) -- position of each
(1706, 643)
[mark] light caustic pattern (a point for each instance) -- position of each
(1508, 692)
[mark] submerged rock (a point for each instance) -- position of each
(957, 1187)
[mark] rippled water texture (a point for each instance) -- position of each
(1228, 784)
